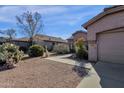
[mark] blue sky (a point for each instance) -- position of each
(59, 21)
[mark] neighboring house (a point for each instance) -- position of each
(23, 44)
(43, 40)
(78, 35)
(106, 35)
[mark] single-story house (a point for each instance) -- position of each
(40, 39)
(106, 35)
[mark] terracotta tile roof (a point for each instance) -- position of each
(40, 37)
(22, 39)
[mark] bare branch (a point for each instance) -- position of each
(30, 23)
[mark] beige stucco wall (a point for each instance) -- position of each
(108, 22)
(92, 51)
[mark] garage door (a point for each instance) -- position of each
(111, 47)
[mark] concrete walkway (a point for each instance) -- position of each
(65, 59)
(90, 81)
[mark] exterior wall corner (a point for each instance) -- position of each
(92, 47)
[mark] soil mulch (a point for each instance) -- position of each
(40, 73)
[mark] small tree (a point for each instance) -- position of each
(80, 49)
(10, 33)
(30, 23)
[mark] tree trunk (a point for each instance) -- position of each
(31, 42)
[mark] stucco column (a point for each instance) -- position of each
(92, 50)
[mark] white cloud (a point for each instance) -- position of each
(8, 13)
(69, 19)
(52, 15)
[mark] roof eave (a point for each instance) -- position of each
(94, 19)
(101, 15)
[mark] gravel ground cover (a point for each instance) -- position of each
(40, 73)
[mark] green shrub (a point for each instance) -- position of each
(18, 55)
(10, 47)
(2, 58)
(81, 51)
(10, 52)
(35, 51)
(61, 49)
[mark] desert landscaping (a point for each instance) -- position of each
(40, 73)
(91, 57)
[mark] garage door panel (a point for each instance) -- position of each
(111, 47)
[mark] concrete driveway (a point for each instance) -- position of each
(111, 74)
